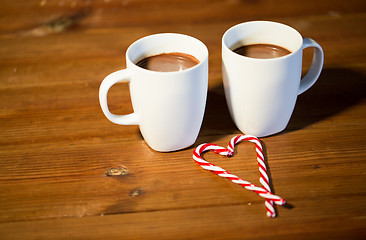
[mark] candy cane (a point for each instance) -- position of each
(264, 180)
(264, 192)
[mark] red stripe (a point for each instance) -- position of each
(207, 145)
(204, 164)
(252, 138)
(196, 155)
(261, 167)
(221, 150)
(236, 139)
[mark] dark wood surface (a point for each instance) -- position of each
(56, 145)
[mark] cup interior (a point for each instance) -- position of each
(262, 32)
(166, 43)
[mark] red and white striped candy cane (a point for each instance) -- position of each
(264, 192)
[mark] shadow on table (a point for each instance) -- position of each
(336, 90)
(217, 121)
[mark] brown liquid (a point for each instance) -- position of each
(262, 51)
(168, 62)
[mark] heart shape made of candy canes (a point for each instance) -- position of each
(264, 191)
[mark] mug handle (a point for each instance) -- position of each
(316, 67)
(107, 83)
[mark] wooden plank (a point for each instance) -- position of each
(219, 222)
(54, 16)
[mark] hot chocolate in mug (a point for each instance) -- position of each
(168, 106)
(261, 92)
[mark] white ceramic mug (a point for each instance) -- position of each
(168, 106)
(261, 93)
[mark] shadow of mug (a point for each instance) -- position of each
(336, 90)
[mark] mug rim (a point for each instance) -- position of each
(160, 35)
(293, 52)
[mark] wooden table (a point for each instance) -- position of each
(56, 145)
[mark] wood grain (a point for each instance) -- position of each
(56, 145)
